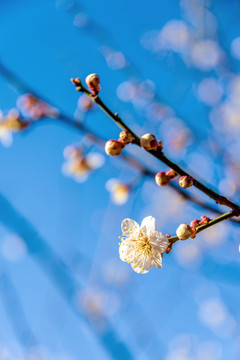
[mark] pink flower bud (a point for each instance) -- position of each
(160, 145)
(149, 142)
(194, 224)
(161, 179)
(186, 181)
(171, 174)
(113, 147)
(125, 137)
(92, 82)
(184, 232)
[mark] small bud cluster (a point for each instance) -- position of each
(149, 142)
(195, 223)
(185, 231)
(163, 178)
(186, 181)
(114, 147)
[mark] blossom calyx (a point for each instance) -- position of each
(162, 179)
(149, 142)
(186, 181)
(125, 137)
(184, 232)
(113, 147)
(92, 82)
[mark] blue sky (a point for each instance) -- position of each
(64, 292)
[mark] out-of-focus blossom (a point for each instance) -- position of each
(98, 303)
(119, 191)
(79, 165)
(85, 104)
(227, 187)
(34, 108)
(115, 59)
(214, 314)
(205, 54)
(226, 116)
(9, 124)
(235, 48)
(209, 91)
(176, 136)
(140, 93)
(142, 246)
(127, 91)
(189, 254)
(13, 247)
(80, 20)
(175, 36)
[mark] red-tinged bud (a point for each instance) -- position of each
(184, 232)
(194, 224)
(125, 137)
(205, 220)
(76, 82)
(149, 142)
(161, 179)
(92, 82)
(160, 145)
(169, 248)
(113, 147)
(186, 181)
(171, 174)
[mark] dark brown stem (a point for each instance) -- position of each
(221, 200)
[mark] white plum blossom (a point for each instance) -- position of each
(142, 246)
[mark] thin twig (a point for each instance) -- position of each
(221, 200)
(215, 221)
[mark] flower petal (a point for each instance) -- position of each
(156, 259)
(158, 241)
(141, 268)
(126, 251)
(149, 224)
(129, 226)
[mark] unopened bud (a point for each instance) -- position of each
(125, 137)
(171, 174)
(113, 147)
(92, 82)
(194, 224)
(160, 145)
(149, 142)
(186, 181)
(184, 232)
(76, 81)
(161, 179)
